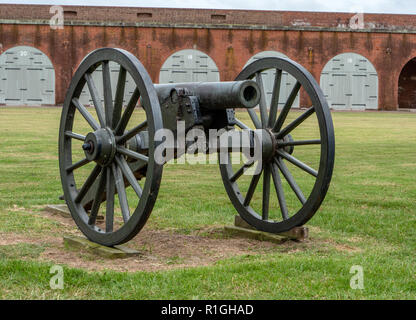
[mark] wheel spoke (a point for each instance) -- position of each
(240, 171)
(98, 197)
(121, 191)
(118, 100)
(297, 163)
(241, 125)
(263, 105)
(254, 118)
(77, 165)
(279, 191)
(289, 178)
(299, 143)
(137, 165)
(132, 154)
(110, 192)
(74, 135)
(108, 95)
(87, 116)
(88, 183)
(122, 163)
(95, 98)
(131, 133)
(286, 108)
(295, 123)
(252, 187)
(122, 124)
(266, 192)
(275, 98)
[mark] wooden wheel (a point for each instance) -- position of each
(297, 138)
(96, 159)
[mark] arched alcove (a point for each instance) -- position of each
(27, 77)
(350, 82)
(189, 65)
(407, 86)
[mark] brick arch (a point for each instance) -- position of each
(34, 76)
(402, 63)
(355, 79)
(184, 42)
(25, 44)
(273, 53)
(406, 86)
(210, 61)
(373, 64)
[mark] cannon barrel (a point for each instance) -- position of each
(216, 95)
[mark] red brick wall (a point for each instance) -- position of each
(207, 16)
(230, 48)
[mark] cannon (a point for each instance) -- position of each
(110, 151)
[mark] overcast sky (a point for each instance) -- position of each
(366, 6)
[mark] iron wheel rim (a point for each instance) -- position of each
(327, 151)
(153, 174)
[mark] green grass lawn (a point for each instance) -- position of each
(368, 218)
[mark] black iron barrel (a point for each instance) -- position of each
(216, 95)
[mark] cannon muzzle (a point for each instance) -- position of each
(216, 95)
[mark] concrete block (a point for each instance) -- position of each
(60, 209)
(116, 252)
(297, 233)
(254, 234)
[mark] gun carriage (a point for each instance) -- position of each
(116, 156)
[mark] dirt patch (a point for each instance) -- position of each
(356, 239)
(9, 239)
(16, 208)
(161, 249)
(342, 247)
(377, 183)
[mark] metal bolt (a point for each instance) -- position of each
(87, 146)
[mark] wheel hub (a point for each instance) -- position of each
(268, 144)
(100, 146)
(281, 144)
